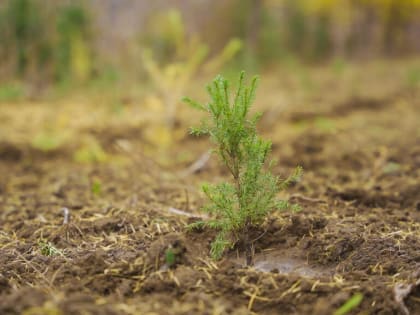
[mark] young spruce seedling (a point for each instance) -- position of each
(238, 206)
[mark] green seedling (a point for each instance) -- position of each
(244, 203)
(91, 151)
(48, 249)
(47, 141)
(350, 304)
(96, 187)
(174, 254)
(170, 257)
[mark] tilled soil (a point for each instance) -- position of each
(358, 230)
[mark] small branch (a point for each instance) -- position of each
(185, 214)
(66, 214)
(308, 199)
(198, 165)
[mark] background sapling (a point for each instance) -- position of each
(238, 206)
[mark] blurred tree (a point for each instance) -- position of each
(73, 55)
(23, 35)
(42, 38)
(174, 58)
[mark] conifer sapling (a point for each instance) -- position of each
(244, 203)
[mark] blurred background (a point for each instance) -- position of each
(100, 60)
(48, 42)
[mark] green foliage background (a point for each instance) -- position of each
(44, 43)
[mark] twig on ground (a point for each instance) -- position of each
(66, 214)
(198, 165)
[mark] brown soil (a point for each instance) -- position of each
(358, 231)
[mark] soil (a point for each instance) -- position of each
(358, 230)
